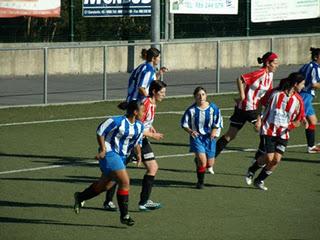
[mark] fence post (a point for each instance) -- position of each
(105, 49)
(161, 60)
(271, 44)
(45, 75)
(218, 67)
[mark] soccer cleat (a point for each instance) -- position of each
(249, 177)
(149, 205)
(127, 220)
(260, 185)
(110, 206)
(314, 149)
(199, 185)
(77, 203)
(210, 170)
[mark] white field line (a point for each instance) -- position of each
(77, 119)
(97, 117)
(158, 157)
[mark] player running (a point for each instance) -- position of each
(252, 87)
(157, 92)
(311, 72)
(284, 112)
(116, 137)
(203, 122)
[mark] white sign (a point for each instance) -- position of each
(36, 8)
(280, 10)
(204, 6)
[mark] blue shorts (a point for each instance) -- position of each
(112, 162)
(203, 144)
(307, 101)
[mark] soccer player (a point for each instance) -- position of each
(116, 137)
(252, 87)
(203, 122)
(284, 112)
(311, 72)
(141, 77)
(157, 92)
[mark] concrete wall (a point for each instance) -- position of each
(192, 55)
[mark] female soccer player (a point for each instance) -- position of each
(252, 87)
(116, 137)
(157, 92)
(283, 113)
(203, 121)
(311, 72)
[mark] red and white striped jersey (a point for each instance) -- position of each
(149, 112)
(281, 111)
(257, 84)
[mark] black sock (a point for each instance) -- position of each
(147, 184)
(110, 193)
(123, 200)
(88, 193)
(254, 167)
(310, 137)
(221, 144)
(263, 175)
(200, 174)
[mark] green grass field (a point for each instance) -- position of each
(56, 159)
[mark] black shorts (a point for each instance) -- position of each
(146, 152)
(240, 117)
(274, 144)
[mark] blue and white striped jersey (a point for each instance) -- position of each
(121, 135)
(311, 72)
(142, 76)
(203, 120)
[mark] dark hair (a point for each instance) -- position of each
(132, 106)
(290, 81)
(157, 86)
(264, 58)
(315, 53)
(198, 89)
(151, 53)
(143, 54)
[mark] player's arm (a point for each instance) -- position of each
(143, 91)
(241, 86)
(143, 83)
(102, 147)
(103, 129)
(185, 125)
(153, 134)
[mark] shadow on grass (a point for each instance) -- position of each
(52, 222)
(299, 160)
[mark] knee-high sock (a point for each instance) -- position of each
(263, 175)
(221, 144)
(89, 192)
(110, 193)
(147, 184)
(123, 201)
(200, 174)
(310, 135)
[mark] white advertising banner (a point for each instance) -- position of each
(36, 8)
(280, 10)
(204, 6)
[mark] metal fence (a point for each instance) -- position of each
(16, 90)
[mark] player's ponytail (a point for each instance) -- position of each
(315, 53)
(143, 54)
(132, 106)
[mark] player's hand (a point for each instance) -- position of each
(153, 130)
(194, 134)
(157, 136)
(257, 125)
(163, 70)
(306, 123)
(101, 155)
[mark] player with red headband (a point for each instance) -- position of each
(252, 87)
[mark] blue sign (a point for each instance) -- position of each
(116, 8)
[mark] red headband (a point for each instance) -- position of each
(272, 57)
